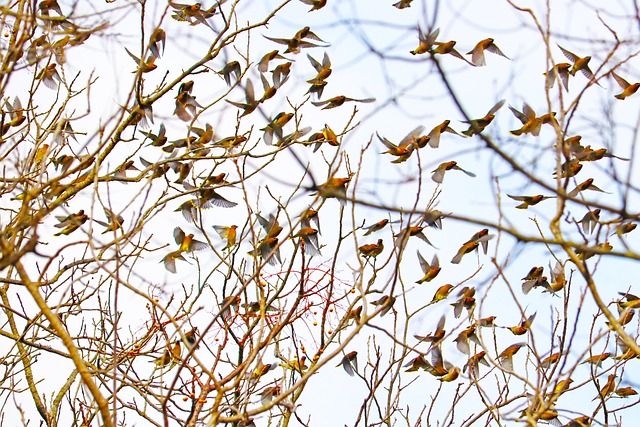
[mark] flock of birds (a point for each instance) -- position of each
(185, 152)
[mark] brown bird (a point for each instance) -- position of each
(505, 358)
(464, 249)
(530, 122)
(596, 359)
(436, 337)
(334, 188)
(71, 222)
(403, 236)
(310, 238)
(405, 148)
(441, 294)
(231, 68)
(524, 326)
(297, 42)
(463, 338)
(271, 225)
(193, 13)
(157, 40)
(49, 76)
(228, 233)
(628, 89)
(579, 64)
(251, 103)
(449, 48)
(376, 227)
(477, 53)
(477, 126)
(316, 5)
(187, 242)
(263, 64)
(549, 361)
(144, 66)
(350, 363)
(115, 221)
(386, 302)
(532, 279)
(268, 250)
(372, 249)
(434, 134)
(560, 71)
(473, 364)
(337, 101)
(438, 173)
(583, 186)
(608, 388)
(467, 300)
(186, 105)
(590, 220)
(402, 4)
(529, 200)
(483, 238)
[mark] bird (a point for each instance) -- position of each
(477, 53)
(323, 69)
(251, 103)
(309, 236)
(115, 221)
(529, 200)
(463, 338)
(558, 280)
(579, 64)
(434, 134)
(334, 188)
(628, 89)
(371, 249)
(530, 122)
(297, 42)
(438, 173)
(71, 222)
(590, 220)
(413, 230)
(448, 48)
(436, 337)
(477, 126)
(337, 101)
(549, 361)
(263, 64)
(159, 139)
(483, 238)
(560, 71)
(275, 127)
(625, 392)
(402, 4)
(441, 294)
(385, 303)
(473, 363)
(268, 250)
(505, 358)
(46, 5)
(270, 225)
(186, 241)
(426, 42)
(316, 5)
(376, 226)
(430, 270)
(268, 394)
(464, 249)
(523, 326)
(169, 260)
(532, 279)
(583, 186)
(466, 300)
(193, 13)
(228, 233)
(404, 149)
(144, 66)
(157, 40)
(186, 105)
(608, 388)
(350, 363)
(596, 359)
(49, 76)
(309, 215)
(231, 68)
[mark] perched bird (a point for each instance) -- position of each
(560, 71)
(71, 222)
(115, 221)
(337, 101)
(579, 64)
(529, 200)
(583, 186)
(438, 173)
(231, 68)
(477, 126)
(371, 250)
(505, 358)
(464, 249)
(350, 363)
(441, 294)
(430, 270)
(228, 233)
(477, 53)
(628, 89)
(426, 42)
(524, 326)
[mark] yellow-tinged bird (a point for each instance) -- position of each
(579, 64)
(477, 126)
(464, 249)
(337, 101)
(386, 303)
(426, 42)
(477, 53)
(524, 326)
(228, 233)
(441, 294)
(115, 221)
(529, 200)
(71, 223)
(316, 4)
(430, 270)
(187, 242)
(608, 388)
(376, 226)
(505, 358)
(628, 89)
(560, 71)
(157, 40)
